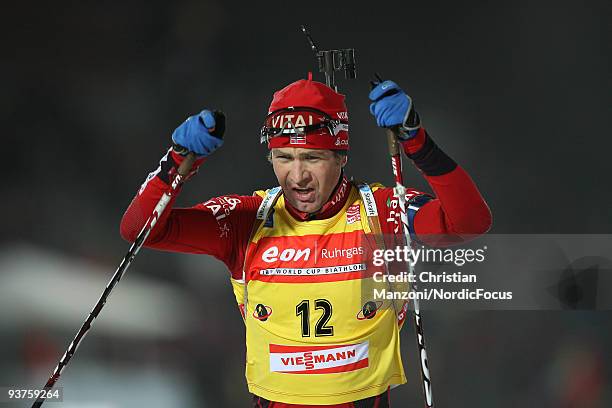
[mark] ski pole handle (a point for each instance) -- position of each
(394, 152)
(186, 164)
(392, 141)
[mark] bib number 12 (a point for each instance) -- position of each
(302, 310)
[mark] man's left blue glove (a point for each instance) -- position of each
(392, 107)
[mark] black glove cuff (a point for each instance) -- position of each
(431, 160)
(167, 167)
(219, 124)
(178, 149)
(413, 120)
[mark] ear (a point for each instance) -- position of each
(344, 161)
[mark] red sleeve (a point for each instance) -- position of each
(456, 213)
(220, 227)
(459, 209)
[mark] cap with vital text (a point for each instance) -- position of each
(307, 114)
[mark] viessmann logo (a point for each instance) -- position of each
(318, 359)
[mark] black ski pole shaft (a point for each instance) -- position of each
(182, 172)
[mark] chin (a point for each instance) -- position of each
(306, 207)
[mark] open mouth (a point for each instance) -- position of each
(304, 194)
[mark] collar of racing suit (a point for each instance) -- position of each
(335, 203)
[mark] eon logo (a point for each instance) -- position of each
(273, 254)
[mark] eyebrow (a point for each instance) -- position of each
(311, 154)
(301, 155)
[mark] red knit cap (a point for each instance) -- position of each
(286, 111)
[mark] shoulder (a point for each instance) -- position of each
(261, 194)
(386, 195)
(387, 203)
(232, 202)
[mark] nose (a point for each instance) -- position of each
(299, 174)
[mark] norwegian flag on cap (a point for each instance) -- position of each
(307, 114)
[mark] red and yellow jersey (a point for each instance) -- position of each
(315, 333)
(302, 284)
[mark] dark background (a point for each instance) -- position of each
(518, 93)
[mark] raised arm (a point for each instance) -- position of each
(458, 211)
(219, 227)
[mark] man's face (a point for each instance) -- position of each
(307, 176)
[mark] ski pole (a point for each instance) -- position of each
(182, 172)
(400, 192)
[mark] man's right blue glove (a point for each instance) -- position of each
(201, 134)
(392, 107)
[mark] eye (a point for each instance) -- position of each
(313, 158)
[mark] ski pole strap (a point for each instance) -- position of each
(264, 215)
(268, 203)
(367, 196)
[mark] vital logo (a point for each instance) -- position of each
(273, 254)
(318, 359)
(341, 191)
(292, 121)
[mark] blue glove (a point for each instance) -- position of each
(392, 107)
(201, 134)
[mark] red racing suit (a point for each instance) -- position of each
(222, 226)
